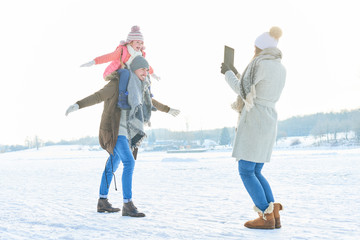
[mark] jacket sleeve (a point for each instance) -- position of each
(151, 70)
(233, 81)
(105, 93)
(161, 107)
(109, 57)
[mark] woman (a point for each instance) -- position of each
(258, 89)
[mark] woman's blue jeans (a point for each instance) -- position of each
(121, 153)
(256, 184)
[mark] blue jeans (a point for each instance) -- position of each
(256, 184)
(121, 152)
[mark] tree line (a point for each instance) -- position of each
(36, 142)
(317, 125)
(322, 124)
(222, 136)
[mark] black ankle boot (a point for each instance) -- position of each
(129, 209)
(105, 206)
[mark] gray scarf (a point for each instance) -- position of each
(140, 101)
(247, 82)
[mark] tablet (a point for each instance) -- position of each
(229, 56)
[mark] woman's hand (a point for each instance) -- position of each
(225, 68)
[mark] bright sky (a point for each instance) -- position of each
(44, 42)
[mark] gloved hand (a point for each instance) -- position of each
(88, 64)
(155, 76)
(225, 68)
(174, 112)
(72, 108)
(233, 69)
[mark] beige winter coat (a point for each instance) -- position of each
(257, 128)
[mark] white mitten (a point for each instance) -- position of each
(72, 108)
(88, 64)
(174, 112)
(155, 76)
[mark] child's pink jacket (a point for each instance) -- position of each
(118, 57)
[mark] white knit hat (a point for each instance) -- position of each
(268, 39)
(135, 34)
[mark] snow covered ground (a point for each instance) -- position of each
(52, 194)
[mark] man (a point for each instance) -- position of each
(119, 129)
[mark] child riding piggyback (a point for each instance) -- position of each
(123, 54)
(120, 60)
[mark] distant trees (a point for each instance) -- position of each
(11, 148)
(224, 137)
(220, 135)
(280, 134)
(90, 141)
(152, 138)
(322, 125)
(182, 136)
(33, 142)
(30, 142)
(355, 125)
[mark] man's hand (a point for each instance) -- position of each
(72, 108)
(174, 112)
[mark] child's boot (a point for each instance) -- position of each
(123, 101)
(124, 75)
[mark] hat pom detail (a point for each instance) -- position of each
(135, 29)
(275, 32)
(135, 34)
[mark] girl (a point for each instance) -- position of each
(121, 58)
(123, 54)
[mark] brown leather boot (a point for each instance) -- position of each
(105, 206)
(277, 208)
(265, 220)
(129, 209)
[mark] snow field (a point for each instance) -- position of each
(52, 194)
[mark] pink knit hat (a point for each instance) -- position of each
(135, 34)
